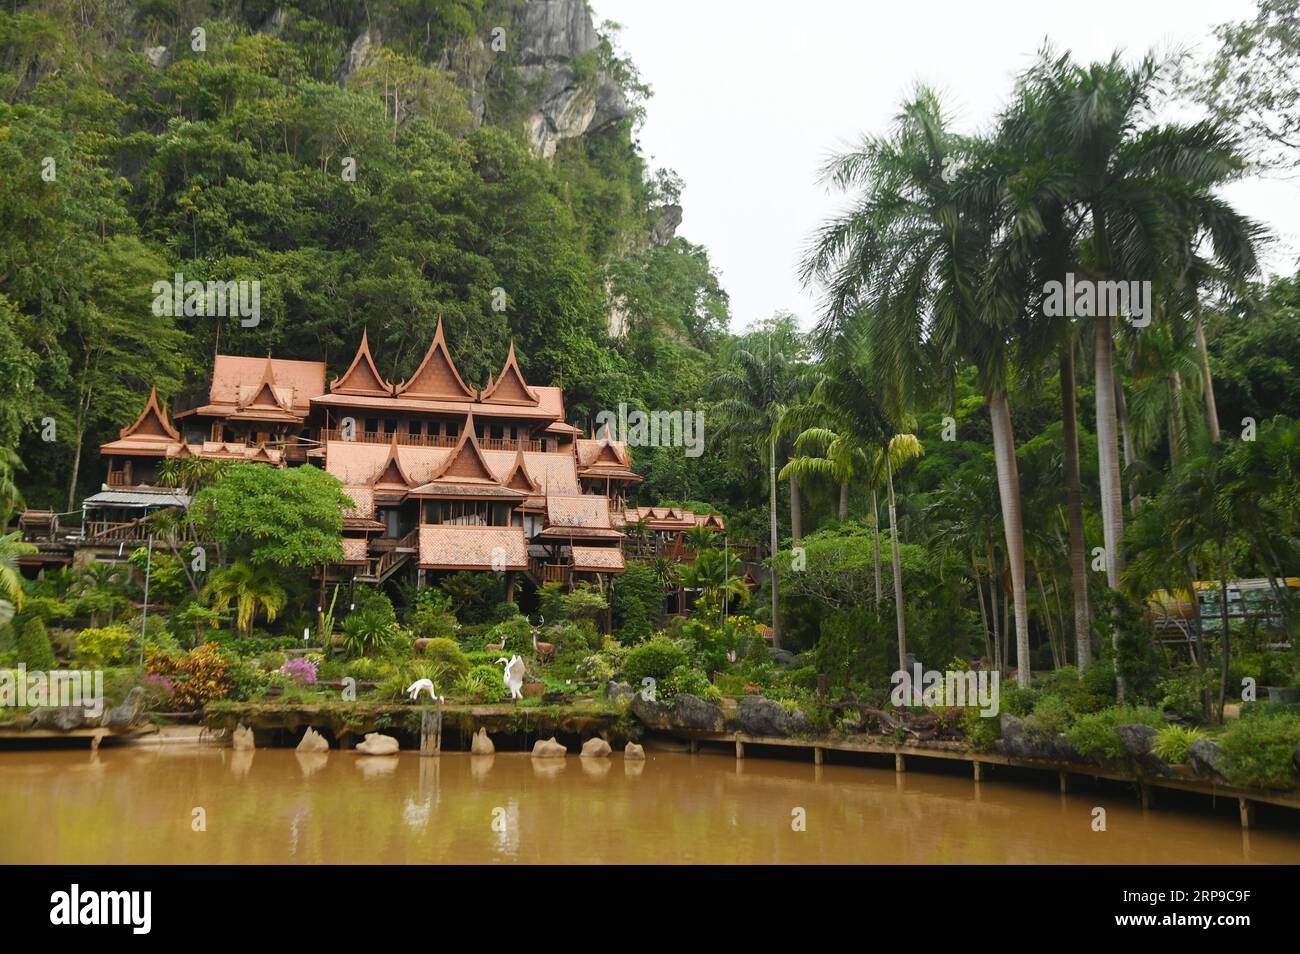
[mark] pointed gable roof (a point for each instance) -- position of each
(265, 394)
(436, 378)
(519, 478)
(152, 421)
(466, 462)
(510, 386)
(393, 474)
(362, 377)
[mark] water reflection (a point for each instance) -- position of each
(275, 806)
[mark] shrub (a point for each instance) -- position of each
(302, 669)
(483, 682)
(1099, 679)
(198, 677)
(595, 669)
(446, 656)
(33, 647)
(107, 646)
(372, 626)
(1260, 751)
(656, 659)
(1093, 735)
(473, 595)
(1015, 699)
(980, 731)
(637, 601)
(1173, 742)
(1184, 696)
(578, 638)
(1051, 716)
(585, 602)
(515, 633)
(430, 616)
(686, 679)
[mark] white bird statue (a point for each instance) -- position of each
(513, 676)
(415, 688)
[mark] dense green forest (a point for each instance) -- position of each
(958, 472)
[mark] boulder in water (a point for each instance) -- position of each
(481, 744)
(595, 748)
(313, 741)
(549, 749)
(378, 744)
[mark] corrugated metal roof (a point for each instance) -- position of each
(137, 498)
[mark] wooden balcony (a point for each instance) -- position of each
(507, 444)
(117, 478)
(544, 572)
(383, 437)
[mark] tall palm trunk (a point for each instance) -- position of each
(1112, 506)
(993, 609)
(1177, 429)
(796, 510)
(1004, 456)
(898, 568)
(875, 542)
(776, 599)
(1074, 505)
(1130, 450)
(844, 501)
(1211, 406)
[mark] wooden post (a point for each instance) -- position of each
(1065, 782)
(979, 771)
(899, 764)
(819, 754)
(431, 731)
(740, 747)
(1144, 790)
(693, 746)
(1247, 810)
(95, 739)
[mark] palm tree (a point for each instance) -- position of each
(901, 449)
(716, 578)
(252, 588)
(11, 581)
(1141, 189)
(11, 498)
(762, 382)
(912, 259)
(821, 453)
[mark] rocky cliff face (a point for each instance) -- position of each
(545, 40)
(552, 35)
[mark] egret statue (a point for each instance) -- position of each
(513, 676)
(415, 688)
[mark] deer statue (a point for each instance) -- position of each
(543, 651)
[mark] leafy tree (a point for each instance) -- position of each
(291, 517)
(253, 588)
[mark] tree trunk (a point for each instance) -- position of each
(1177, 435)
(1211, 406)
(984, 617)
(875, 539)
(898, 568)
(1130, 450)
(1112, 506)
(796, 511)
(1004, 456)
(993, 610)
(776, 609)
(1074, 505)
(844, 501)
(1223, 616)
(76, 470)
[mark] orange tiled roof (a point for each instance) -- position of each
(604, 559)
(362, 377)
(588, 510)
(473, 548)
(149, 434)
(510, 386)
(233, 376)
(437, 378)
(355, 549)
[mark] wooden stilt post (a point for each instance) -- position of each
(693, 746)
(431, 730)
(1144, 790)
(979, 771)
(899, 764)
(1247, 809)
(1065, 782)
(740, 747)
(819, 755)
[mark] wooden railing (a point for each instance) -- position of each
(508, 444)
(114, 532)
(545, 572)
(117, 478)
(395, 552)
(381, 437)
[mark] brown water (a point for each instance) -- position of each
(136, 805)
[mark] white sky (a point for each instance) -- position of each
(751, 96)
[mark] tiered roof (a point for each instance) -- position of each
(362, 377)
(436, 379)
(149, 435)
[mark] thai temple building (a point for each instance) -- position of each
(443, 476)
